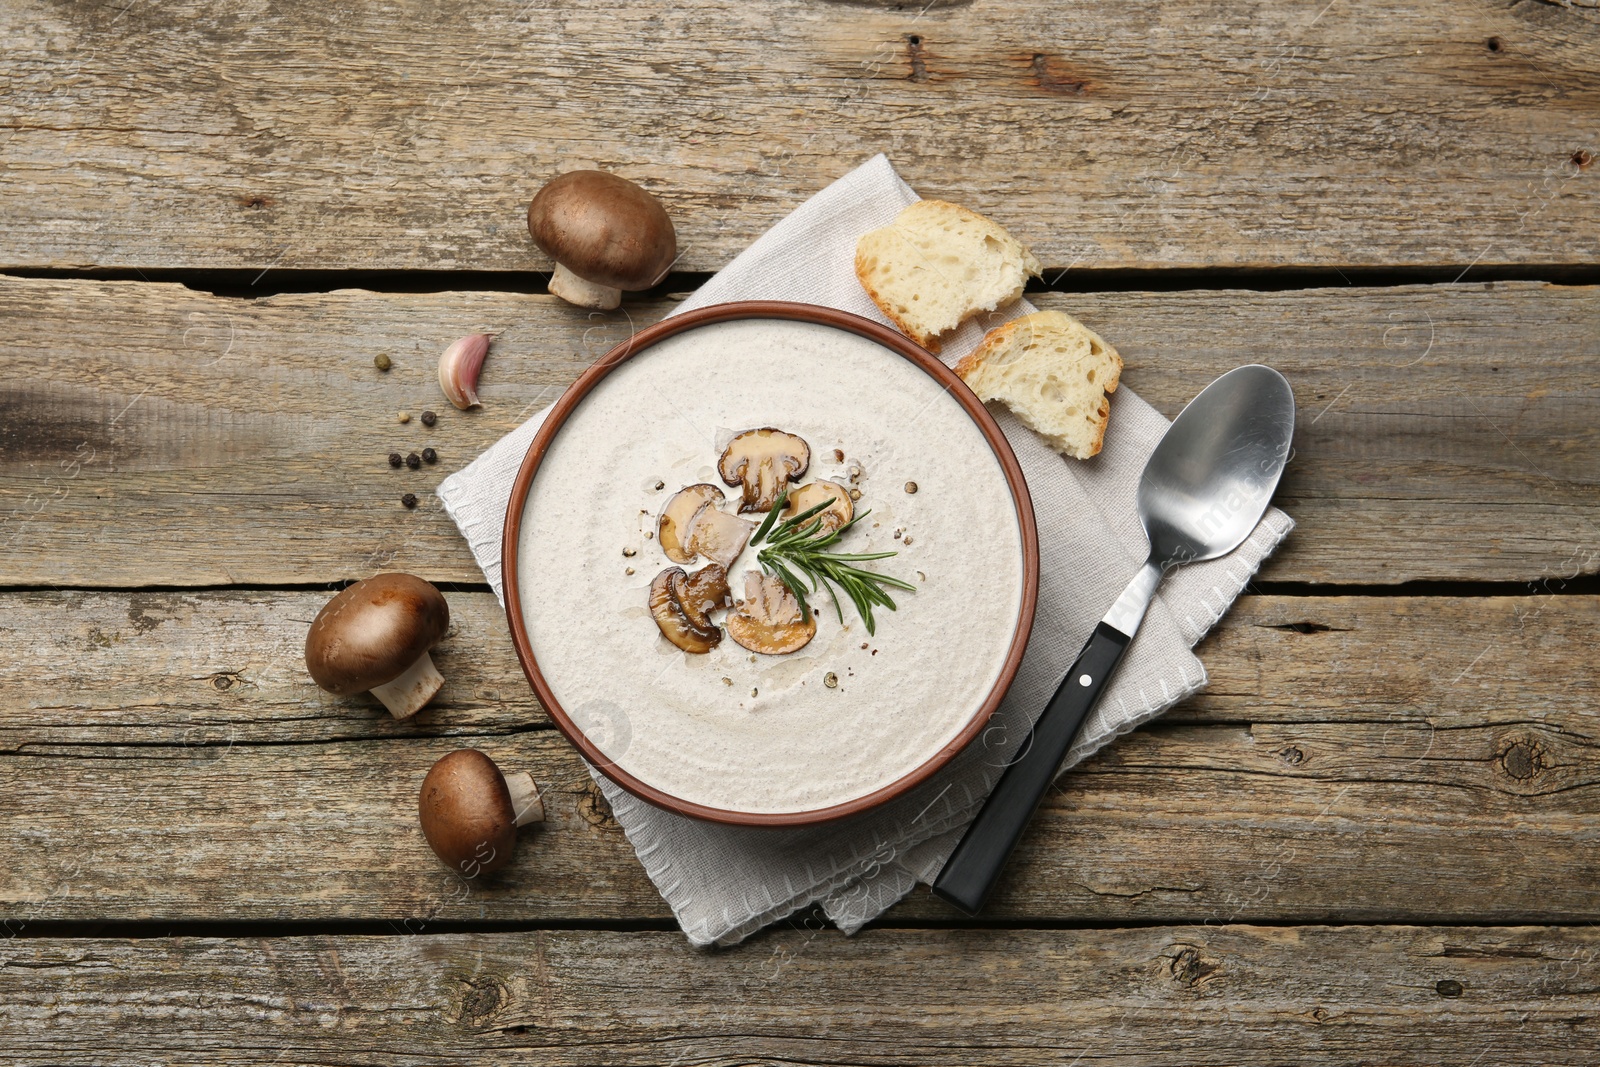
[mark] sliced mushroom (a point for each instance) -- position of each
(673, 527)
(693, 525)
(674, 621)
(701, 593)
(718, 536)
(769, 620)
(763, 460)
(837, 513)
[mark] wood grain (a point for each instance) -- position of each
(1385, 760)
(209, 134)
(164, 757)
(214, 667)
(1175, 995)
(150, 434)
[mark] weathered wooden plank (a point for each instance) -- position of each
(204, 134)
(220, 667)
(150, 434)
(1165, 995)
(1442, 432)
(162, 761)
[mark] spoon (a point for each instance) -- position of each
(1203, 490)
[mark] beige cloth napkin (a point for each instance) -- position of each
(724, 883)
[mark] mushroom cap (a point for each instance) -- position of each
(604, 229)
(466, 814)
(371, 632)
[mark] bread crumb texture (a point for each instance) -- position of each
(1054, 373)
(938, 265)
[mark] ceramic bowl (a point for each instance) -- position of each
(850, 721)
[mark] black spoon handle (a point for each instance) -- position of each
(972, 869)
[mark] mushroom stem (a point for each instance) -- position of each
(575, 290)
(525, 799)
(406, 695)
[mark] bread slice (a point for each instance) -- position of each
(938, 265)
(1054, 373)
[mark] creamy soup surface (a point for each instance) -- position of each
(730, 729)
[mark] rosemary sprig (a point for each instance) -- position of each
(799, 544)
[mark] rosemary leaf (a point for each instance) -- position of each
(796, 552)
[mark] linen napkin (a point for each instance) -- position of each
(723, 883)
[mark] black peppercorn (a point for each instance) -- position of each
(413, 461)
(409, 500)
(429, 418)
(395, 459)
(429, 456)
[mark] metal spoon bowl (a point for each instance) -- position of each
(1203, 490)
(1208, 481)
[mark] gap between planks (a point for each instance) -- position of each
(808, 919)
(1581, 585)
(252, 285)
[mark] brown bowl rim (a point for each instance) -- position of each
(795, 312)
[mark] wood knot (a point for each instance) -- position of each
(596, 809)
(255, 201)
(1052, 75)
(1494, 44)
(1190, 968)
(1521, 759)
(1448, 987)
(1292, 755)
(1582, 158)
(481, 998)
(224, 681)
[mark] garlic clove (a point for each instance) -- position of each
(459, 368)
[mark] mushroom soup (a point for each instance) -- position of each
(846, 714)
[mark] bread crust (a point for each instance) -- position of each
(1000, 340)
(931, 341)
(968, 364)
(928, 341)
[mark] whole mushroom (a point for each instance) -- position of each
(376, 635)
(605, 233)
(470, 811)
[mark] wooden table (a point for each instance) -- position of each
(1373, 838)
